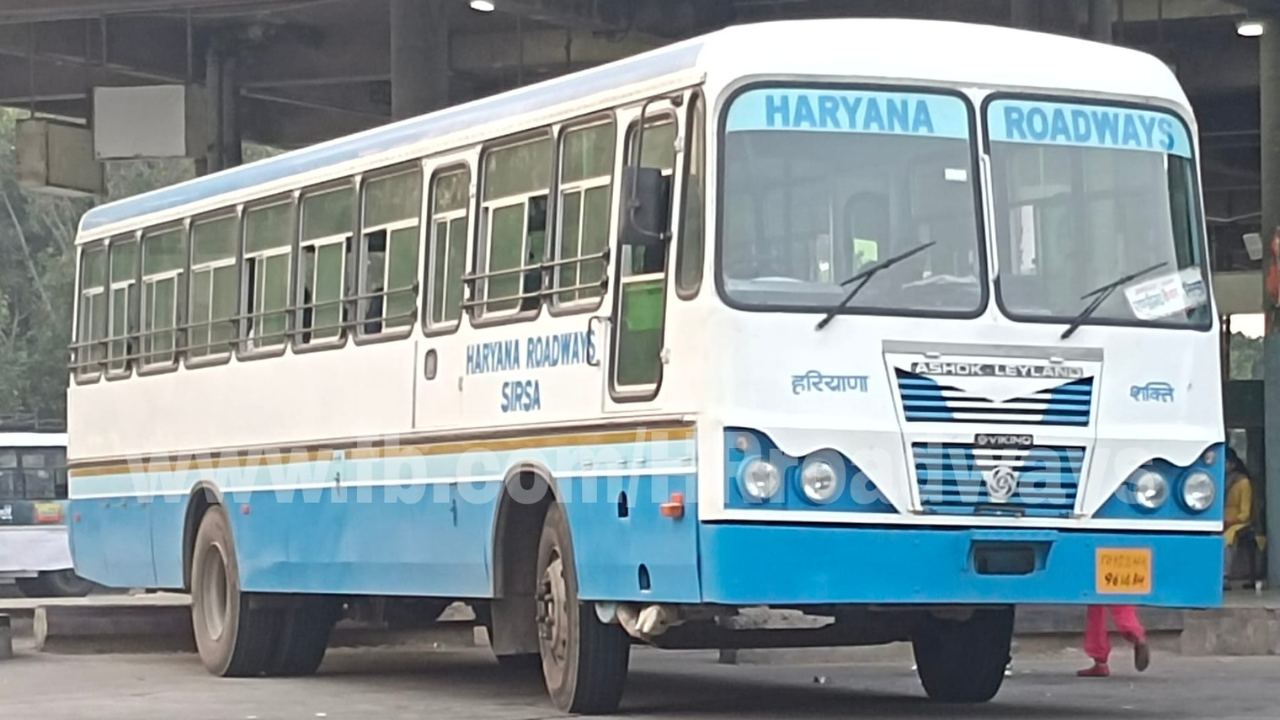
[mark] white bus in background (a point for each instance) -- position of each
(898, 323)
(34, 549)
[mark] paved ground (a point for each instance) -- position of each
(364, 685)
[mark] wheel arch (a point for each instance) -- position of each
(518, 518)
(203, 496)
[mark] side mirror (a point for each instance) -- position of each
(646, 212)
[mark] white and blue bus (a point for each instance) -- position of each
(35, 552)
(897, 323)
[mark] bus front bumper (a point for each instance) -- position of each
(764, 564)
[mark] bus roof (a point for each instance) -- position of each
(912, 51)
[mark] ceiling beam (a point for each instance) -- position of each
(26, 11)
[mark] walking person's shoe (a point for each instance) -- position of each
(1141, 656)
(1099, 670)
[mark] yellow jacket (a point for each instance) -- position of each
(1239, 510)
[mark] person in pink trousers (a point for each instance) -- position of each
(1097, 643)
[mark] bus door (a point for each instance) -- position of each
(635, 359)
(440, 362)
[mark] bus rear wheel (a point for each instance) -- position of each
(584, 661)
(234, 638)
(55, 584)
(964, 661)
(302, 637)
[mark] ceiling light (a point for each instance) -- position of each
(482, 6)
(1247, 28)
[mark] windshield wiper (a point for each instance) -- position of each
(1100, 296)
(865, 277)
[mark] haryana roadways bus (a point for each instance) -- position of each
(35, 552)
(896, 323)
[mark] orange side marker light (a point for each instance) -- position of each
(673, 509)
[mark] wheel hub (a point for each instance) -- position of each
(215, 592)
(553, 612)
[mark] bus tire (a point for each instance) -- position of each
(964, 661)
(55, 584)
(302, 637)
(584, 661)
(234, 638)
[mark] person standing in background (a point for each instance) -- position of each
(1097, 643)
(1238, 514)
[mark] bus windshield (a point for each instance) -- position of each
(1087, 194)
(819, 184)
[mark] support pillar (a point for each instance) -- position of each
(222, 106)
(1101, 16)
(419, 57)
(1269, 55)
(1024, 14)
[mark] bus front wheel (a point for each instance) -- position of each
(584, 661)
(964, 661)
(234, 639)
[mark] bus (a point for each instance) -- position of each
(35, 552)
(897, 323)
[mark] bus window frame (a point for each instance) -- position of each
(355, 280)
(551, 295)
(667, 113)
(133, 290)
(212, 359)
(1200, 226)
(977, 172)
(88, 372)
(245, 351)
(145, 369)
(696, 101)
(296, 305)
(473, 308)
(448, 165)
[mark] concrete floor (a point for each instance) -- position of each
(390, 685)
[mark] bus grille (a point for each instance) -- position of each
(952, 479)
(924, 400)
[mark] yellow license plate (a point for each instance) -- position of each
(1124, 572)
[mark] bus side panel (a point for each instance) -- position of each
(624, 548)
(111, 541)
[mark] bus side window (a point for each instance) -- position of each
(268, 250)
(447, 259)
(214, 287)
(690, 254)
(164, 262)
(389, 280)
(121, 301)
(8, 475)
(91, 329)
(512, 245)
(328, 218)
(586, 186)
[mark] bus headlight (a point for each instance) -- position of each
(1150, 489)
(1199, 491)
(760, 480)
(819, 481)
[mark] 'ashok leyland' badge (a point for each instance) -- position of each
(1001, 484)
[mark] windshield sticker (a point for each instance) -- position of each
(1159, 298)
(1152, 392)
(850, 112)
(1088, 126)
(815, 381)
(1193, 284)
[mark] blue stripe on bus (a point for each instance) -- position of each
(524, 101)
(792, 564)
